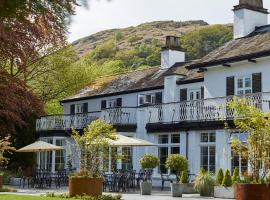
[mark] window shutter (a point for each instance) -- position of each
(257, 82)
(230, 86)
(159, 97)
(202, 92)
(119, 102)
(72, 109)
(103, 104)
(183, 94)
(85, 108)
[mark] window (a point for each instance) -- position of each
(239, 162)
(60, 156)
(79, 108)
(112, 103)
(168, 144)
(243, 85)
(46, 157)
(127, 160)
(151, 98)
(208, 152)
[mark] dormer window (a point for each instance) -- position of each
(79, 108)
(151, 98)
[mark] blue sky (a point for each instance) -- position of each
(102, 14)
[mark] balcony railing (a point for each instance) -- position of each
(115, 116)
(66, 122)
(118, 116)
(203, 110)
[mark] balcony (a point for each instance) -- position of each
(115, 116)
(202, 110)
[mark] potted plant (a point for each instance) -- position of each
(252, 120)
(224, 190)
(148, 162)
(188, 188)
(93, 146)
(204, 183)
(177, 164)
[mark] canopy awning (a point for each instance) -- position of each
(123, 141)
(40, 146)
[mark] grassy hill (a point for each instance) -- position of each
(134, 36)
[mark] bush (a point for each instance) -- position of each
(177, 163)
(102, 197)
(184, 176)
(149, 161)
(204, 183)
(8, 189)
(227, 180)
(220, 176)
(235, 177)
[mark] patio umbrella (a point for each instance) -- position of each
(40, 146)
(123, 141)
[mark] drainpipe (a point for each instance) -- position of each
(187, 141)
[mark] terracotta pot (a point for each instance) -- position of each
(1, 182)
(85, 186)
(252, 192)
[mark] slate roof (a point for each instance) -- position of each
(255, 45)
(139, 80)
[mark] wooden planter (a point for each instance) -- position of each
(85, 186)
(252, 192)
(1, 182)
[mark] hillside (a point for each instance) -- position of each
(133, 36)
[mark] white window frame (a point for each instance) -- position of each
(169, 145)
(112, 103)
(208, 144)
(244, 89)
(79, 108)
(143, 97)
(194, 90)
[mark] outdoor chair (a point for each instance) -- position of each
(165, 178)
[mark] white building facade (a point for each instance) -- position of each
(179, 106)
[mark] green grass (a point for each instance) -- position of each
(26, 197)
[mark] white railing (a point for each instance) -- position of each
(66, 122)
(203, 110)
(117, 116)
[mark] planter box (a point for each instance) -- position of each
(188, 188)
(85, 186)
(224, 192)
(252, 192)
(177, 189)
(146, 188)
(1, 182)
(15, 181)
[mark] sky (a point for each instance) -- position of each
(103, 14)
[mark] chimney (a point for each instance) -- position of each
(247, 16)
(171, 53)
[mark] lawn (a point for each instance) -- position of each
(25, 197)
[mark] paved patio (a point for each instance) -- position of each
(156, 194)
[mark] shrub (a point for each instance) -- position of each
(268, 178)
(220, 176)
(149, 161)
(204, 183)
(235, 177)
(184, 176)
(227, 180)
(65, 196)
(8, 189)
(177, 163)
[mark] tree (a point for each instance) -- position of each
(93, 145)
(17, 103)
(199, 43)
(227, 180)
(256, 150)
(220, 176)
(5, 148)
(176, 163)
(28, 28)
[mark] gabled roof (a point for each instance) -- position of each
(255, 45)
(130, 82)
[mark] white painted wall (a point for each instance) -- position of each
(215, 77)
(171, 93)
(170, 57)
(246, 20)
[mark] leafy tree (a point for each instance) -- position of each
(200, 42)
(227, 180)
(256, 150)
(17, 103)
(92, 145)
(149, 161)
(220, 177)
(28, 28)
(5, 148)
(176, 163)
